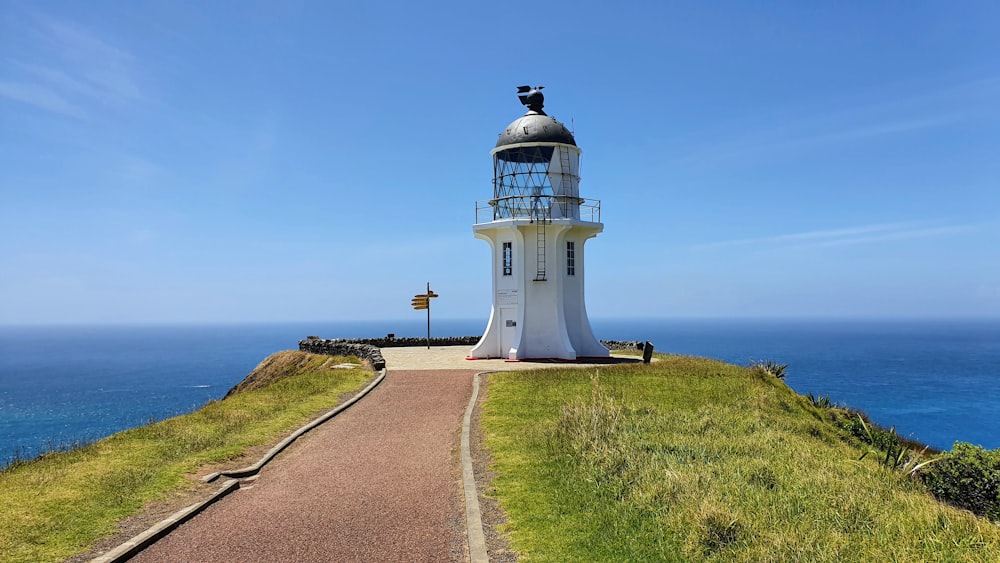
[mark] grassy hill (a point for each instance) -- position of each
(684, 459)
(693, 459)
(62, 503)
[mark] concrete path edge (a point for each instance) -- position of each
(473, 516)
(255, 468)
(127, 550)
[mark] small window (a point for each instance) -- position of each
(570, 258)
(508, 259)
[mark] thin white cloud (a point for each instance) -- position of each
(852, 231)
(59, 80)
(40, 97)
(60, 67)
(99, 63)
(762, 146)
(904, 234)
(882, 115)
(864, 234)
(876, 130)
(829, 234)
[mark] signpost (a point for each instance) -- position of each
(422, 301)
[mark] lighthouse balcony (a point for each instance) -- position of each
(540, 207)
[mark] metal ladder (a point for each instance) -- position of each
(540, 221)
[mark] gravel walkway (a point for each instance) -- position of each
(380, 482)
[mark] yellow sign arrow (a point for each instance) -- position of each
(422, 301)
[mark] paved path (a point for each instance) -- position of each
(379, 482)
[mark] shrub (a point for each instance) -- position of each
(869, 433)
(768, 367)
(823, 402)
(967, 477)
(893, 452)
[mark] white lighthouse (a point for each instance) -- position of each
(537, 225)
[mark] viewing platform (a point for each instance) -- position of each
(545, 207)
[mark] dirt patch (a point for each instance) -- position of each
(284, 364)
(459, 543)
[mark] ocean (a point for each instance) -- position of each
(935, 381)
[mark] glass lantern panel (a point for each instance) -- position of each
(536, 182)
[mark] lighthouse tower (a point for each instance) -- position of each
(536, 225)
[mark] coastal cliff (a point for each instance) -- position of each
(288, 363)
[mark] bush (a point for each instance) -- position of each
(823, 402)
(967, 477)
(869, 433)
(768, 367)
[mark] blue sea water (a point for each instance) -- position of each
(936, 381)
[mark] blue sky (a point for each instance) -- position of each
(290, 161)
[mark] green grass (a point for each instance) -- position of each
(692, 459)
(60, 504)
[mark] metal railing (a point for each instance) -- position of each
(538, 206)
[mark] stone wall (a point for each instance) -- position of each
(623, 344)
(401, 342)
(340, 347)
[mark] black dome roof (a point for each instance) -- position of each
(535, 127)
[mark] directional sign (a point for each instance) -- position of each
(422, 302)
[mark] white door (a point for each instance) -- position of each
(508, 329)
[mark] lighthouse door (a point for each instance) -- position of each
(507, 299)
(508, 329)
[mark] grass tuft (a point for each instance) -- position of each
(717, 528)
(768, 367)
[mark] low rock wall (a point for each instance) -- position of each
(623, 344)
(343, 348)
(408, 341)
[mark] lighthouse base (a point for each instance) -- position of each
(538, 309)
(512, 343)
